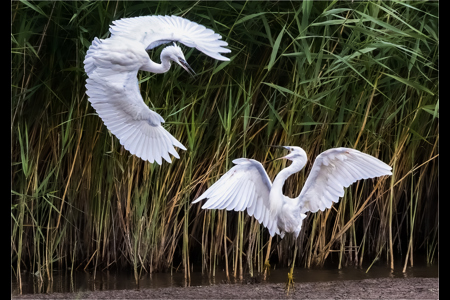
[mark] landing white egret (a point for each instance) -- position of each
(112, 65)
(247, 186)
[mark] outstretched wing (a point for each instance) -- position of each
(333, 170)
(113, 91)
(244, 186)
(152, 31)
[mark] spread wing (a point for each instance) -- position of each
(333, 170)
(152, 31)
(113, 91)
(244, 186)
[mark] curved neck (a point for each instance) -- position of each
(277, 185)
(153, 67)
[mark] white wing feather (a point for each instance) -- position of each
(244, 186)
(152, 31)
(113, 91)
(333, 170)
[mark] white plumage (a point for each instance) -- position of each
(247, 186)
(152, 31)
(112, 65)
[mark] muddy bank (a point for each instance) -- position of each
(382, 288)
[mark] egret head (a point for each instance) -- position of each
(175, 54)
(295, 153)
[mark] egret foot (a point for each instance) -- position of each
(290, 282)
(266, 263)
(267, 267)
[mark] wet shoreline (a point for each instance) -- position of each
(386, 288)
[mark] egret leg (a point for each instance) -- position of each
(266, 262)
(290, 281)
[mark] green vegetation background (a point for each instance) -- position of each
(312, 74)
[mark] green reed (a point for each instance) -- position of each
(313, 74)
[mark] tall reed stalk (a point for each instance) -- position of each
(313, 74)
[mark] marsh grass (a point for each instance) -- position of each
(313, 74)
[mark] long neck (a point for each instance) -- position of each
(277, 185)
(153, 67)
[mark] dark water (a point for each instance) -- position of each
(119, 280)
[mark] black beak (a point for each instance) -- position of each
(273, 146)
(187, 67)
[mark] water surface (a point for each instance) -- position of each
(82, 281)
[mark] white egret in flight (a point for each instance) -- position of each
(112, 65)
(247, 186)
